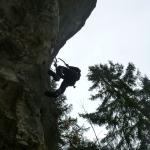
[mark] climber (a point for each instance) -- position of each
(69, 74)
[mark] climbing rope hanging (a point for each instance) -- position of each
(64, 62)
(56, 61)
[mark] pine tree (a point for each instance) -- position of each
(70, 134)
(124, 106)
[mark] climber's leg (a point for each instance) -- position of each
(54, 75)
(59, 91)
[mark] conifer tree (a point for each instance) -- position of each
(70, 134)
(124, 97)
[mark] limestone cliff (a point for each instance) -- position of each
(31, 34)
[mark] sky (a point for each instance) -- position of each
(117, 30)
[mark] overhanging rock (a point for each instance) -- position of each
(31, 34)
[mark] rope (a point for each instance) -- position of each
(92, 128)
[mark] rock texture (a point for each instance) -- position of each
(31, 34)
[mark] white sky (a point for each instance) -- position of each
(117, 30)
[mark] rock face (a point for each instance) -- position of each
(31, 34)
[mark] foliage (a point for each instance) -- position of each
(124, 106)
(70, 134)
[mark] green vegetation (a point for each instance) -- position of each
(124, 106)
(70, 134)
(124, 102)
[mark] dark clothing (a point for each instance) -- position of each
(62, 88)
(69, 75)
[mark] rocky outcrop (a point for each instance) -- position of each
(31, 34)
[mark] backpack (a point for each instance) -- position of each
(76, 72)
(73, 75)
